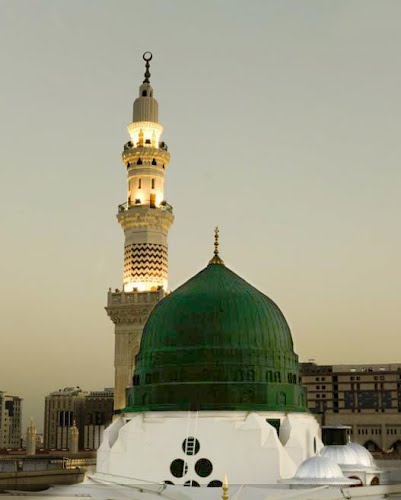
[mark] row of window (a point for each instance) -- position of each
(240, 375)
(376, 377)
(140, 162)
(153, 184)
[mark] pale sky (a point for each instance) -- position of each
(283, 122)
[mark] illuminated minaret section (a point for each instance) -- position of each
(145, 218)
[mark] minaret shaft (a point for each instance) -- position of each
(145, 218)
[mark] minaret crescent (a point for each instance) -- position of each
(145, 218)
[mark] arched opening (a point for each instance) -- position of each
(281, 398)
(154, 162)
(139, 161)
(357, 479)
(397, 446)
(144, 93)
(375, 481)
(371, 446)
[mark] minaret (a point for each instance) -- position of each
(74, 438)
(145, 218)
(31, 438)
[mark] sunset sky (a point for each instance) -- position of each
(283, 121)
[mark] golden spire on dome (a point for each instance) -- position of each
(225, 488)
(216, 258)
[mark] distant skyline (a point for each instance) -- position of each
(283, 121)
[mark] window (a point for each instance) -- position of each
(144, 93)
(203, 467)
(178, 468)
(139, 183)
(153, 183)
(154, 162)
(190, 446)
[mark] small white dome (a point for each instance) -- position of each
(340, 454)
(319, 468)
(364, 456)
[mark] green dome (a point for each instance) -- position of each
(216, 343)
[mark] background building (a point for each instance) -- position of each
(365, 397)
(98, 415)
(91, 412)
(62, 407)
(10, 421)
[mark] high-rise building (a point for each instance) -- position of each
(145, 218)
(91, 412)
(98, 415)
(365, 397)
(62, 407)
(10, 420)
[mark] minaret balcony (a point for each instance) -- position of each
(146, 155)
(162, 145)
(126, 206)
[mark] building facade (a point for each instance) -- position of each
(10, 420)
(145, 218)
(98, 415)
(62, 408)
(91, 412)
(365, 397)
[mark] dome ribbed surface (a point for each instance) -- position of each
(340, 454)
(217, 301)
(364, 456)
(319, 468)
(216, 343)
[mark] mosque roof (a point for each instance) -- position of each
(216, 343)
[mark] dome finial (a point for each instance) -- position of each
(147, 57)
(216, 258)
(225, 488)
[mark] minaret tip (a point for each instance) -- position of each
(216, 258)
(147, 57)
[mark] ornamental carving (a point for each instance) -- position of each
(154, 218)
(131, 314)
